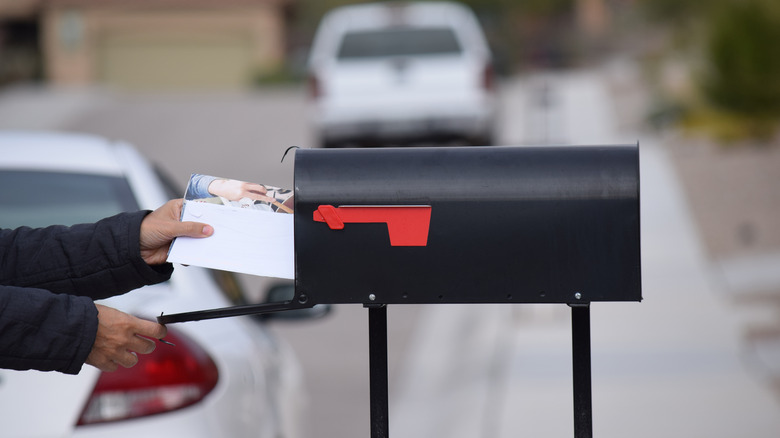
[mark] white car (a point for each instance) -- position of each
(400, 73)
(224, 378)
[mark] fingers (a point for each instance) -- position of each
(103, 364)
(234, 190)
(256, 192)
(152, 329)
(172, 208)
(120, 338)
(160, 227)
(127, 360)
(258, 189)
(141, 345)
(184, 229)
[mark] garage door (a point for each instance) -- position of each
(180, 62)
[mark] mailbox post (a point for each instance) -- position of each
(467, 225)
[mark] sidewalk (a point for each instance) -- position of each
(672, 365)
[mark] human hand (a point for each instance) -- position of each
(160, 227)
(235, 190)
(119, 339)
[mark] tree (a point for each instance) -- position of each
(743, 67)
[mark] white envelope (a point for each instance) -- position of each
(245, 240)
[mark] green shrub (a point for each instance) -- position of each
(743, 58)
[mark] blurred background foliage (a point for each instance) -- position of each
(730, 51)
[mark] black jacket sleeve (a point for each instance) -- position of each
(48, 279)
(43, 331)
(95, 260)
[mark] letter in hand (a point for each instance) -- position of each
(160, 227)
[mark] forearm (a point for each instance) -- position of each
(199, 187)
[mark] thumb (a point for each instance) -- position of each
(193, 229)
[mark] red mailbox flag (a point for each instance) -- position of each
(407, 224)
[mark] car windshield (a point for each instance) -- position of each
(41, 198)
(403, 41)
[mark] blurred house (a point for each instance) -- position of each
(143, 44)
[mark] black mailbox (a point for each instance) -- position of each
(467, 225)
(463, 225)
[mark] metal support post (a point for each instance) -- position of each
(580, 336)
(377, 352)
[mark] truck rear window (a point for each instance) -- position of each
(402, 41)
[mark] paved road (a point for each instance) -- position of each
(672, 365)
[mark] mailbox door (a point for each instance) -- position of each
(506, 224)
